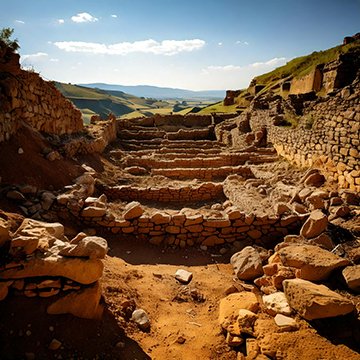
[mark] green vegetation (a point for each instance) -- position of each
(218, 107)
(5, 37)
(303, 65)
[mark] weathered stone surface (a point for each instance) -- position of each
(247, 264)
(229, 307)
(93, 247)
(93, 211)
(246, 320)
(33, 234)
(160, 219)
(351, 275)
(277, 303)
(312, 262)
(141, 319)
(133, 210)
(84, 271)
(84, 303)
(286, 323)
(183, 276)
(314, 225)
(314, 301)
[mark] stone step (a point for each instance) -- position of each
(180, 193)
(153, 133)
(211, 161)
(175, 144)
(208, 174)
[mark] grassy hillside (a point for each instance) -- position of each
(303, 65)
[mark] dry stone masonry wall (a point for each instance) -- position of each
(25, 96)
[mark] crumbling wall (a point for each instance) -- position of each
(307, 83)
(25, 96)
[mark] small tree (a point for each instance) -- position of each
(5, 37)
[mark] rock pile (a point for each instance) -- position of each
(39, 261)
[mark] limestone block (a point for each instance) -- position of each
(247, 264)
(133, 210)
(313, 263)
(351, 275)
(314, 301)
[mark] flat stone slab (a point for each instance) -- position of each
(183, 276)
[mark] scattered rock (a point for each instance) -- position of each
(277, 303)
(55, 344)
(183, 276)
(351, 275)
(311, 262)
(247, 264)
(229, 307)
(93, 247)
(314, 301)
(141, 319)
(286, 323)
(314, 225)
(246, 320)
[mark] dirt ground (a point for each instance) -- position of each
(184, 323)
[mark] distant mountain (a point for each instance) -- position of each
(156, 92)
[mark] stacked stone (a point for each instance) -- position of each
(42, 262)
(31, 99)
(189, 193)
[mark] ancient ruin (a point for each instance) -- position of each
(155, 229)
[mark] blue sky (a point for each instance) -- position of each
(197, 44)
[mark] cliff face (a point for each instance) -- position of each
(25, 96)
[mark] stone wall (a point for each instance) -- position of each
(307, 83)
(25, 96)
(327, 134)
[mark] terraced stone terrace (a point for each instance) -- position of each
(170, 181)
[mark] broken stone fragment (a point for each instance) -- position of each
(93, 247)
(183, 276)
(247, 264)
(314, 225)
(277, 303)
(351, 275)
(93, 211)
(246, 321)
(286, 323)
(314, 301)
(141, 319)
(4, 289)
(84, 303)
(229, 307)
(312, 262)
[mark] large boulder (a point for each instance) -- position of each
(93, 247)
(311, 262)
(247, 264)
(314, 301)
(84, 303)
(84, 271)
(314, 225)
(229, 307)
(351, 275)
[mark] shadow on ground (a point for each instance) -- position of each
(26, 329)
(137, 252)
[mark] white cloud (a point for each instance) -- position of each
(150, 46)
(54, 60)
(220, 43)
(113, 16)
(225, 68)
(272, 62)
(34, 57)
(20, 22)
(240, 42)
(60, 21)
(83, 17)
